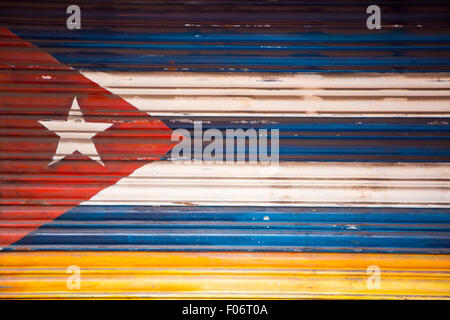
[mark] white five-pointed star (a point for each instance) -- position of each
(75, 134)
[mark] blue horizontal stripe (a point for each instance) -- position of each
(87, 59)
(413, 230)
(337, 139)
(209, 49)
(200, 36)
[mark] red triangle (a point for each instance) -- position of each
(35, 86)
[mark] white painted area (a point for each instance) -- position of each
(293, 184)
(300, 106)
(300, 95)
(75, 134)
(270, 80)
(284, 95)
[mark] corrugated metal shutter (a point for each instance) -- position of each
(363, 179)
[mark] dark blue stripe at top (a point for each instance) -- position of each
(219, 49)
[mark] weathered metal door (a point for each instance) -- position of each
(224, 149)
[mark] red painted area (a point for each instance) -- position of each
(35, 86)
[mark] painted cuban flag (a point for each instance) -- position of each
(87, 161)
(63, 146)
(224, 149)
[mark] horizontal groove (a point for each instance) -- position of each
(222, 248)
(237, 111)
(172, 79)
(158, 67)
(41, 178)
(238, 182)
(250, 203)
(100, 236)
(245, 48)
(227, 92)
(222, 224)
(286, 170)
(25, 273)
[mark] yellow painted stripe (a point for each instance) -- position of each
(222, 275)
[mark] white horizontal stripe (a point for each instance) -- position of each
(290, 184)
(366, 95)
(270, 80)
